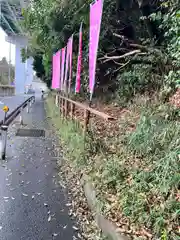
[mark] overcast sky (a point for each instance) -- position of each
(5, 46)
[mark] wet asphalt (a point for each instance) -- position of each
(33, 205)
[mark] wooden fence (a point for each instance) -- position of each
(68, 106)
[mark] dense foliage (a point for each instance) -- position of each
(138, 49)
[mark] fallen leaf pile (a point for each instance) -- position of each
(78, 207)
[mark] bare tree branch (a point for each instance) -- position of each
(135, 45)
(122, 66)
(119, 57)
(120, 36)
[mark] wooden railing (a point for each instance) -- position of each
(67, 108)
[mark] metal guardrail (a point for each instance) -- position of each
(8, 119)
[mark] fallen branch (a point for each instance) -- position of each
(139, 46)
(119, 57)
(120, 36)
(122, 66)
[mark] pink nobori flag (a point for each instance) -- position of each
(60, 69)
(79, 63)
(96, 10)
(66, 67)
(56, 70)
(68, 64)
(63, 52)
(70, 60)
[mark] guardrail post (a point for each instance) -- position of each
(33, 99)
(3, 142)
(21, 117)
(27, 107)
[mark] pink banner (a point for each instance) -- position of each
(67, 66)
(59, 69)
(96, 9)
(68, 63)
(56, 70)
(63, 52)
(79, 63)
(53, 84)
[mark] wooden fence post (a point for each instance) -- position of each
(72, 111)
(62, 107)
(86, 120)
(60, 101)
(66, 108)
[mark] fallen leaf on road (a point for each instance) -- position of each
(6, 197)
(49, 218)
(25, 195)
(55, 234)
(75, 228)
(68, 204)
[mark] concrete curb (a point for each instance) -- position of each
(105, 225)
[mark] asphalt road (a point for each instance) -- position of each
(33, 205)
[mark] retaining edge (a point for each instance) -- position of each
(108, 228)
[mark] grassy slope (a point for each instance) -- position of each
(138, 183)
